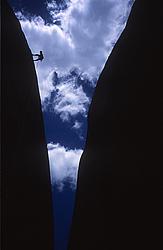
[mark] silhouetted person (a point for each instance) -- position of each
(40, 56)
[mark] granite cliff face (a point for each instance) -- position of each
(27, 203)
(120, 182)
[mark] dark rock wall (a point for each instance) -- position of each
(120, 182)
(27, 220)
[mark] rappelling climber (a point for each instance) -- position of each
(40, 56)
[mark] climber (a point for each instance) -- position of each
(40, 56)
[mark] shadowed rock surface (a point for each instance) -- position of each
(120, 182)
(27, 203)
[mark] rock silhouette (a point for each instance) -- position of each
(120, 182)
(27, 207)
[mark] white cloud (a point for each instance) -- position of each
(63, 165)
(70, 100)
(88, 30)
(55, 46)
(92, 27)
(77, 125)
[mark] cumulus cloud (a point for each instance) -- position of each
(77, 125)
(84, 37)
(67, 98)
(64, 164)
(70, 100)
(55, 46)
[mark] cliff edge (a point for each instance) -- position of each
(120, 182)
(27, 207)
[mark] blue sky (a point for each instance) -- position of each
(76, 37)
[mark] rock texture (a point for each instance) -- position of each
(120, 182)
(27, 207)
